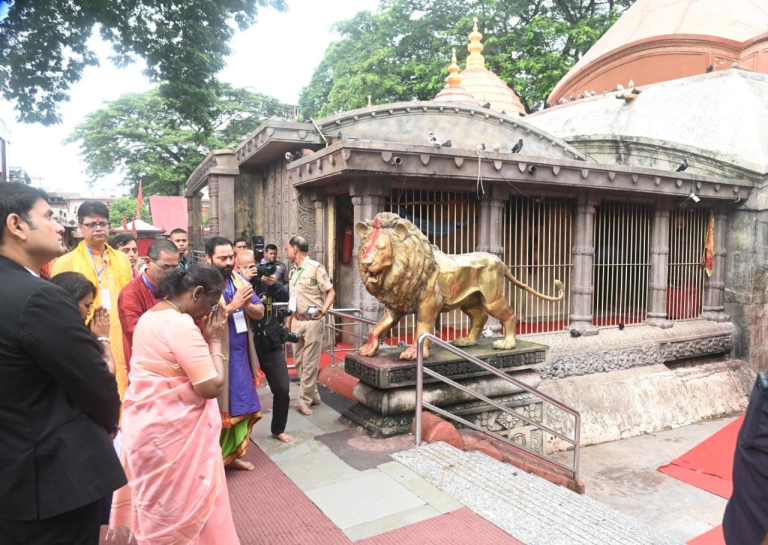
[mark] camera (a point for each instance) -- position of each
(266, 269)
(286, 335)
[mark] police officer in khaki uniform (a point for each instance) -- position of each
(311, 294)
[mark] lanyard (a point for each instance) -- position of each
(146, 281)
(300, 271)
(98, 272)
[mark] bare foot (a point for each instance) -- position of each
(284, 437)
(306, 411)
(242, 465)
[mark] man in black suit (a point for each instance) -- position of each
(58, 401)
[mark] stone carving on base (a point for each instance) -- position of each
(696, 347)
(402, 269)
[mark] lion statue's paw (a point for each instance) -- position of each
(411, 353)
(368, 349)
(505, 344)
(464, 341)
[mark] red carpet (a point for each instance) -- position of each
(455, 528)
(709, 464)
(269, 508)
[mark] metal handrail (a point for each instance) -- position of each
(345, 314)
(420, 404)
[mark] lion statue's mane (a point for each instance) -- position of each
(413, 263)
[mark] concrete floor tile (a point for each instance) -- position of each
(392, 522)
(421, 487)
(364, 499)
(682, 526)
(303, 443)
(327, 419)
(318, 469)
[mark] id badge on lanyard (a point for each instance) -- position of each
(240, 325)
(106, 302)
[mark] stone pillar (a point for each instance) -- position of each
(714, 295)
(226, 206)
(659, 274)
(583, 267)
(490, 233)
(195, 221)
(320, 223)
(368, 199)
(213, 211)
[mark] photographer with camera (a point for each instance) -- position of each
(269, 335)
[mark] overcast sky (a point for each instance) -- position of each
(276, 56)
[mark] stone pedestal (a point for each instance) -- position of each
(386, 393)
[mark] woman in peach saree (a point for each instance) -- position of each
(176, 492)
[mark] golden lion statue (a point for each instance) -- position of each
(400, 267)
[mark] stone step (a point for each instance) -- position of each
(529, 508)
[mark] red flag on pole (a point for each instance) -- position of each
(125, 227)
(133, 228)
(139, 202)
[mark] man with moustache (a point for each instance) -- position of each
(239, 402)
(107, 269)
(58, 400)
(139, 296)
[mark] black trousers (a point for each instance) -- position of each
(276, 370)
(746, 516)
(78, 527)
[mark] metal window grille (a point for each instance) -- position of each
(685, 279)
(622, 263)
(538, 237)
(449, 220)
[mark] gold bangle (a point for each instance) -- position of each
(217, 354)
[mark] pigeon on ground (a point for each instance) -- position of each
(496, 147)
(487, 105)
(447, 143)
(631, 83)
(683, 166)
(581, 96)
(710, 68)
(563, 101)
(517, 147)
(619, 87)
(572, 98)
(433, 140)
(735, 64)
(575, 333)
(621, 326)
(480, 147)
(605, 93)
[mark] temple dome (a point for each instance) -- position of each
(662, 40)
(484, 85)
(453, 91)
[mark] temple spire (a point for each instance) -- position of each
(453, 79)
(475, 58)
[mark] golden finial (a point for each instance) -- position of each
(475, 48)
(453, 79)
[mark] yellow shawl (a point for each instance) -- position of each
(79, 260)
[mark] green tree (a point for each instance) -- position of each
(402, 51)
(44, 48)
(127, 206)
(143, 136)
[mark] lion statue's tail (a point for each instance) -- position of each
(529, 289)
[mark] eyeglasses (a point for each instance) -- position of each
(94, 224)
(166, 267)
